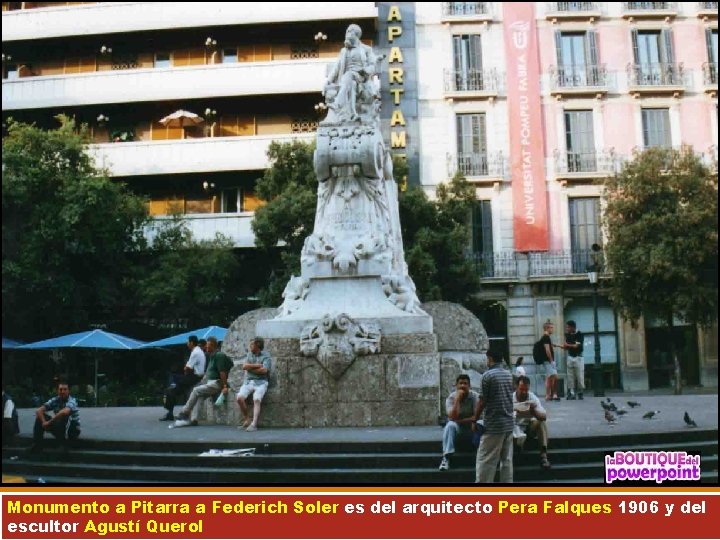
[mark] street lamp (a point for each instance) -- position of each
(597, 378)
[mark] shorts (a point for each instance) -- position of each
(255, 387)
(550, 369)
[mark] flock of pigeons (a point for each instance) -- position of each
(612, 412)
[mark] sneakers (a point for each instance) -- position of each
(570, 396)
(183, 422)
(167, 418)
(444, 464)
(251, 427)
(580, 396)
(544, 462)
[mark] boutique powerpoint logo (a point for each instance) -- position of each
(651, 466)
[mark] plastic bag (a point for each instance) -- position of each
(220, 401)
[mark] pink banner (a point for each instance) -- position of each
(530, 219)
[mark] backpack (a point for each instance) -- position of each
(539, 354)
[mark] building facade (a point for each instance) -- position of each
(533, 103)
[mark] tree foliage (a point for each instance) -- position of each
(68, 231)
(662, 224)
(435, 233)
(183, 278)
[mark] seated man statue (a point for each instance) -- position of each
(356, 65)
(530, 418)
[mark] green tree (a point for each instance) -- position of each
(436, 236)
(185, 279)
(69, 232)
(662, 224)
(435, 233)
(289, 186)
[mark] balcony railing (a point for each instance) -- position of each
(458, 9)
(237, 227)
(473, 80)
(565, 262)
(602, 162)
(654, 75)
(579, 76)
(497, 264)
(472, 164)
(707, 6)
(710, 73)
(572, 7)
(649, 6)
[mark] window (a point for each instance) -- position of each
(162, 60)
(229, 56)
(654, 57)
(467, 62)
(584, 231)
(711, 69)
(577, 59)
(482, 237)
(580, 141)
(656, 128)
(472, 145)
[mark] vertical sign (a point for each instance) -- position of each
(399, 113)
(527, 157)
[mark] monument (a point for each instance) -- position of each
(351, 344)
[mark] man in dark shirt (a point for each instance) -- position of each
(550, 366)
(496, 444)
(575, 362)
(218, 367)
(64, 425)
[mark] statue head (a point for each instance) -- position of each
(353, 35)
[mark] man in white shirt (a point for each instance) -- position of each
(530, 417)
(192, 373)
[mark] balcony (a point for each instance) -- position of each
(188, 155)
(205, 226)
(586, 11)
(466, 12)
(500, 265)
(563, 263)
(649, 10)
(160, 84)
(710, 77)
(478, 168)
(656, 79)
(578, 80)
(120, 17)
(707, 10)
(472, 84)
(585, 165)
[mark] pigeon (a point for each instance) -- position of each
(608, 400)
(605, 405)
(612, 407)
(689, 421)
(633, 404)
(621, 412)
(650, 415)
(609, 417)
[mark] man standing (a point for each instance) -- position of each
(192, 373)
(219, 365)
(64, 425)
(496, 444)
(460, 407)
(575, 362)
(257, 370)
(550, 366)
(530, 417)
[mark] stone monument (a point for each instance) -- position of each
(351, 345)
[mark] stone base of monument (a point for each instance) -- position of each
(405, 384)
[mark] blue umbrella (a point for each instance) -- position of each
(10, 343)
(181, 339)
(91, 339)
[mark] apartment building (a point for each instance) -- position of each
(470, 86)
